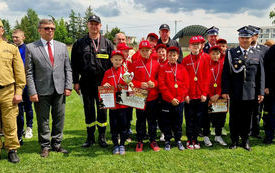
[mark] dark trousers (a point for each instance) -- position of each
(269, 117)
(240, 119)
(118, 124)
(149, 115)
(129, 115)
(25, 106)
(193, 118)
(159, 107)
(90, 96)
(256, 119)
(171, 118)
(55, 104)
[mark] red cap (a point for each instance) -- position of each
(153, 35)
(201, 38)
(117, 52)
(160, 46)
(144, 44)
(174, 48)
(215, 48)
(194, 39)
(223, 41)
(123, 46)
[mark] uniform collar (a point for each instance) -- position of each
(242, 49)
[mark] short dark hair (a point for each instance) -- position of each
(45, 21)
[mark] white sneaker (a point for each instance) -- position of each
(196, 145)
(207, 141)
(162, 137)
(220, 140)
(28, 134)
(189, 145)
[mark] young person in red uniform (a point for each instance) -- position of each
(173, 85)
(145, 70)
(153, 39)
(118, 115)
(197, 65)
(126, 63)
(162, 59)
(218, 119)
(222, 43)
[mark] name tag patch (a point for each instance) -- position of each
(102, 56)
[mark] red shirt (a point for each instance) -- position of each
(199, 82)
(162, 63)
(112, 76)
(173, 82)
(216, 69)
(142, 74)
(153, 55)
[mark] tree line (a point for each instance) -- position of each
(66, 31)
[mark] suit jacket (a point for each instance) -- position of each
(42, 77)
(243, 78)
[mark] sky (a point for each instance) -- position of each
(140, 17)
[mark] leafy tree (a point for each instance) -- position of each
(29, 25)
(8, 31)
(61, 32)
(111, 35)
(272, 16)
(72, 25)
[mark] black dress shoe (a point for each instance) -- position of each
(21, 142)
(247, 147)
(60, 150)
(267, 141)
(256, 136)
(233, 146)
(45, 152)
(102, 141)
(12, 156)
(87, 144)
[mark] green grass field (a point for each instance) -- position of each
(96, 159)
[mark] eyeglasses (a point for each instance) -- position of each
(49, 28)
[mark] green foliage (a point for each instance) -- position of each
(272, 15)
(8, 31)
(61, 34)
(29, 24)
(111, 35)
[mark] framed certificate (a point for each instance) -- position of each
(135, 98)
(220, 106)
(106, 97)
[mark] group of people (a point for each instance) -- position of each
(175, 84)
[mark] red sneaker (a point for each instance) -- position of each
(154, 146)
(139, 147)
(189, 145)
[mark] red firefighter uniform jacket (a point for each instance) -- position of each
(173, 82)
(146, 70)
(197, 67)
(113, 77)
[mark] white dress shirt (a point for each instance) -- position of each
(45, 45)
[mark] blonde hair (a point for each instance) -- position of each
(269, 43)
(18, 31)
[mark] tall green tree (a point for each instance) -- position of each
(29, 25)
(89, 12)
(111, 35)
(272, 16)
(72, 25)
(61, 32)
(8, 31)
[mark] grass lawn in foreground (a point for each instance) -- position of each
(96, 159)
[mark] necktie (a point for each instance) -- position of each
(50, 52)
(245, 53)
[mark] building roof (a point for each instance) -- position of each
(191, 30)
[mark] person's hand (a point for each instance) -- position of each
(175, 102)
(34, 98)
(107, 85)
(187, 99)
(260, 99)
(266, 91)
(17, 99)
(77, 88)
(225, 96)
(151, 84)
(214, 98)
(203, 98)
(144, 85)
(67, 92)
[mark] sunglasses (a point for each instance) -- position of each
(49, 28)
